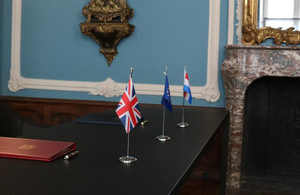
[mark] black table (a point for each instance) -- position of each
(162, 167)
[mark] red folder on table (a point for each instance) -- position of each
(34, 149)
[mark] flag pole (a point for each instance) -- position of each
(128, 144)
(128, 159)
(164, 117)
(182, 110)
(130, 77)
(163, 137)
(183, 124)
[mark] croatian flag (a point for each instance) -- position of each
(128, 108)
(187, 94)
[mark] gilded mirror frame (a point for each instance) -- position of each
(252, 35)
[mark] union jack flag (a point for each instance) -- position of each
(128, 108)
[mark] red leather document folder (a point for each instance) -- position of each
(34, 149)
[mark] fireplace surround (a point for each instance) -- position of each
(244, 65)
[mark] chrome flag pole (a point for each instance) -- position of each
(129, 114)
(187, 95)
(166, 102)
(182, 123)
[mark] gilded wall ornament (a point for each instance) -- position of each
(107, 23)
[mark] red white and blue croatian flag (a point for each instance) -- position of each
(128, 108)
(187, 94)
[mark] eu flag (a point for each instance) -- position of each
(166, 99)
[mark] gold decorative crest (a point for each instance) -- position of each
(107, 23)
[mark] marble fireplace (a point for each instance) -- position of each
(242, 67)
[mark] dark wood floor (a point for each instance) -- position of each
(194, 186)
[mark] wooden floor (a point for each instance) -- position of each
(200, 187)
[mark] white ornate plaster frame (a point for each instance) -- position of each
(230, 34)
(109, 88)
(239, 17)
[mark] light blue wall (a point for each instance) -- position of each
(1, 43)
(171, 33)
(6, 50)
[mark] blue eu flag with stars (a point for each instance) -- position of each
(166, 99)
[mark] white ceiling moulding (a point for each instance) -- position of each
(109, 88)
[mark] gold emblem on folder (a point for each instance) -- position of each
(27, 147)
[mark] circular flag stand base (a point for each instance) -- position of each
(182, 124)
(127, 159)
(163, 138)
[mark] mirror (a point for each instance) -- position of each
(261, 23)
(279, 13)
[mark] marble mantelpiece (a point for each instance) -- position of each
(242, 65)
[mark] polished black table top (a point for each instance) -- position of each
(160, 168)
